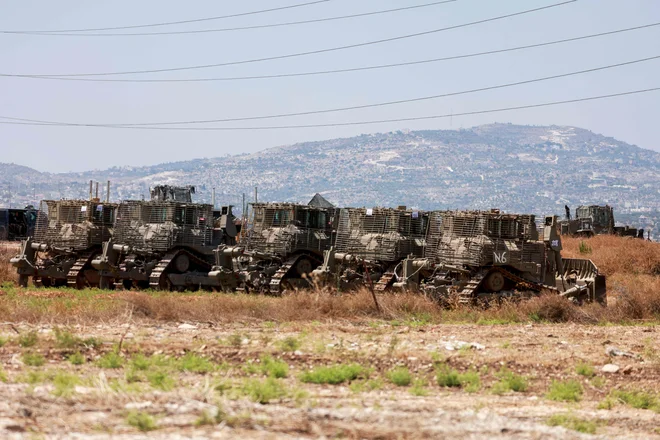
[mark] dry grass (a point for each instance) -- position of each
(617, 255)
(7, 271)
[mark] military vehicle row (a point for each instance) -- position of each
(169, 242)
(595, 220)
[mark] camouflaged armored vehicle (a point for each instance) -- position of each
(67, 236)
(595, 220)
(284, 245)
(370, 245)
(487, 254)
(164, 243)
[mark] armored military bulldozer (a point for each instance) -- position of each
(165, 243)
(67, 236)
(285, 244)
(370, 245)
(595, 220)
(476, 255)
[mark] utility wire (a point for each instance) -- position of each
(388, 103)
(337, 124)
(354, 69)
(313, 52)
(169, 23)
(241, 28)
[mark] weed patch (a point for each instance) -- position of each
(289, 344)
(274, 368)
(400, 376)
(65, 384)
(142, 421)
(195, 364)
(509, 381)
(638, 399)
(335, 374)
(111, 360)
(264, 391)
(566, 391)
(29, 339)
(76, 358)
(574, 423)
(33, 359)
(585, 369)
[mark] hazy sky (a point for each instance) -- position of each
(633, 119)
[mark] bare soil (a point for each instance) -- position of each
(100, 404)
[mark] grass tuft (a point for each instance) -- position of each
(264, 391)
(65, 384)
(509, 381)
(335, 374)
(585, 369)
(142, 421)
(274, 368)
(29, 339)
(33, 359)
(638, 399)
(195, 364)
(451, 378)
(111, 360)
(574, 423)
(76, 358)
(400, 376)
(566, 391)
(289, 344)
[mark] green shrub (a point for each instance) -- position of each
(289, 344)
(638, 399)
(509, 381)
(585, 369)
(195, 364)
(567, 391)
(33, 359)
(160, 380)
(76, 358)
(140, 362)
(65, 384)
(335, 374)
(418, 388)
(142, 421)
(273, 367)
(66, 340)
(111, 360)
(3, 376)
(359, 386)
(447, 377)
(400, 376)
(264, 391)
(3, 341)
(574, 423)
(29, 339)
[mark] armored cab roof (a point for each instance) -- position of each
(162, 193)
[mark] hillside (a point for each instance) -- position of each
(516, 168)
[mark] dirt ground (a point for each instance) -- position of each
(151, 394)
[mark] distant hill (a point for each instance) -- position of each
(511, 167)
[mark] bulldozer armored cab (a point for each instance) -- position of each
(370, 245)
(68, 235)
(285, 244)
(489, 255)
(165, 243)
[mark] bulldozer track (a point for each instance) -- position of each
(158, 276)
(74, 278)
(384, 281)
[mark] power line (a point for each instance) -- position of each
(241, 28)
(388, 103)
(169, 23)
(313, 52)
(337, 124)
(354, 69)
